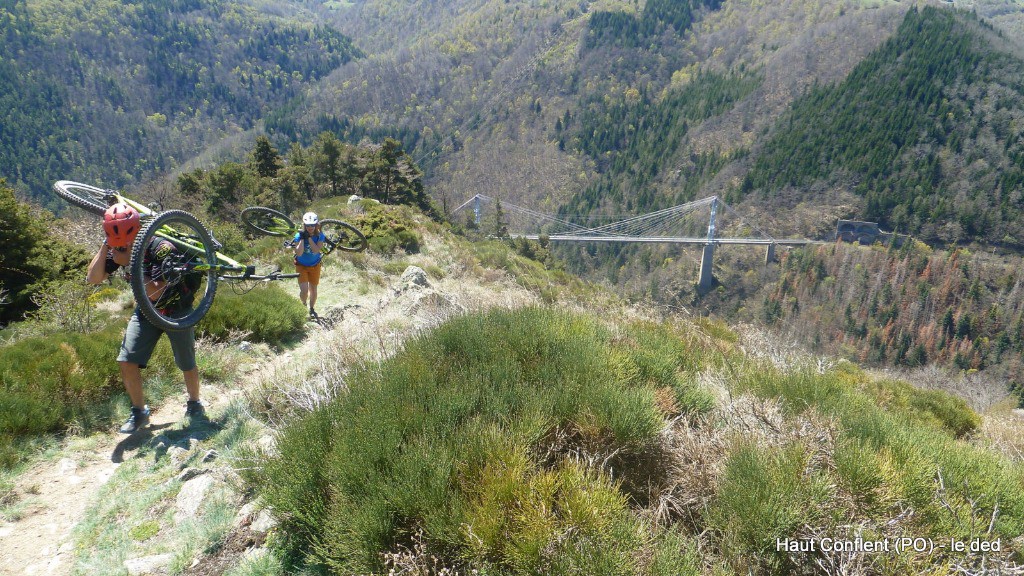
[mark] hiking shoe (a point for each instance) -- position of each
(137, 419)
(195, 409)
(312, 313)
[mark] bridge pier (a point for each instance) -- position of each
(706, 280)
(769, 255)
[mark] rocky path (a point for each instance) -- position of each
(55, 494)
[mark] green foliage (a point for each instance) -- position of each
(833, 393)
(919, 311)
(626, 30)
(264, 314)
(50, 383)
(393, 178)
(895, 444)
(766, 494)
(890, 128)
(114, 91)
(634, 139)
(144, 531)
(387, 229)
(464, 435)
(634, 136)
(265, 158)
(33, 256)
(531, 274)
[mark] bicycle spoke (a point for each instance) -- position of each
(89, 198)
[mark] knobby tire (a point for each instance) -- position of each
(89, 198)
(343, 235)
(258, 219)
(186, 231)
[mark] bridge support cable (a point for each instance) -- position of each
(682, 224)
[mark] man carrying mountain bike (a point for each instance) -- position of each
(121, 224)
(308, 246)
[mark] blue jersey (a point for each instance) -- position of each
(308, 258)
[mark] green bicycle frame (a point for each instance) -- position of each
(196, 248)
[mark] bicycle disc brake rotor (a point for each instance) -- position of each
(173, 268)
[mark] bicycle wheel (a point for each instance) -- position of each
(343, 236)
(173, 270)
(267, 221)
(89, 198)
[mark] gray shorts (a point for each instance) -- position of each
(140, 340)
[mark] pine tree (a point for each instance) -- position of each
(265, 158)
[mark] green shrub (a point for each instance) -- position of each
(767, 493)
(898, 447)
(454, 436)
(951, 412)
(48, 383)
(387, 228)
(265, 314)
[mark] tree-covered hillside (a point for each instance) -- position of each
(620, 28)
(115, 90)
(906, 307)
(926, 130)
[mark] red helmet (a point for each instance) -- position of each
(121, 223)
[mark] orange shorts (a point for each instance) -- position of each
(309, 274)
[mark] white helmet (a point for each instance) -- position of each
(310, 219)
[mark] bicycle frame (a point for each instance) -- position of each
(168, 233)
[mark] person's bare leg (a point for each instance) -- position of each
(131, 374)
(303, 291)
(312, 296)
(192, 383)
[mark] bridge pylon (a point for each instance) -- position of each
(706, 279)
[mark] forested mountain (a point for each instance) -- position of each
(926, 130)
(117, 90)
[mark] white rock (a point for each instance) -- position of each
(263, 522)
(192, 495)
(157, 564)
(414, 276)
(177, 454)
(244, 512)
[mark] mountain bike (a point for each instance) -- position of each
(196, 263)
(270, 222)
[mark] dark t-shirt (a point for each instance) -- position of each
(178, 294)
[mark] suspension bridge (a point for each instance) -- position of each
(683, 224)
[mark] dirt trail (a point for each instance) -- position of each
(56, 494)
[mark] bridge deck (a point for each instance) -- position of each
(667, 240)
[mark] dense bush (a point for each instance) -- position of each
(50, 383)
(476, 435)
(387, 228)
(895, 447)
(264, 314)
(29, 260)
